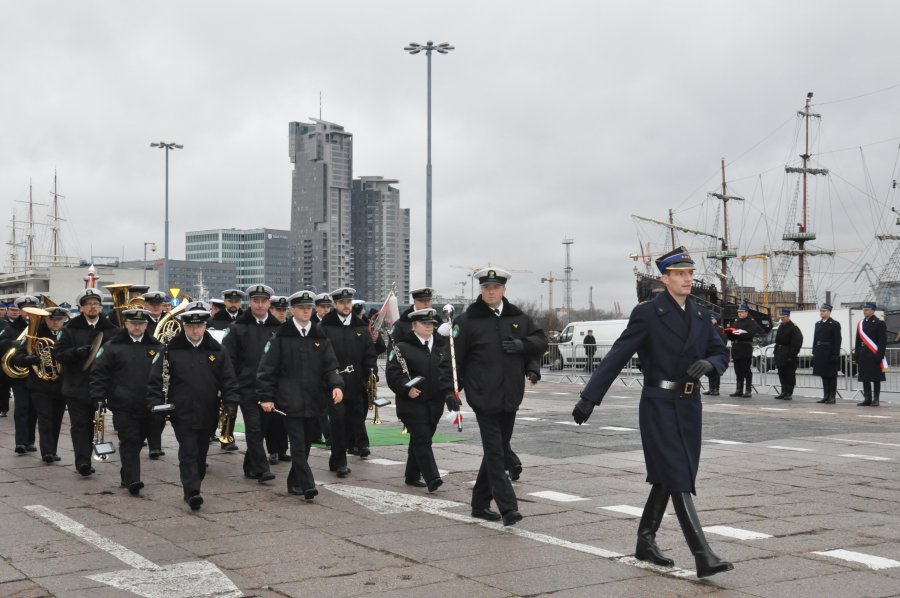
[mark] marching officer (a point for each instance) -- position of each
(279, 307)
(788, 341)
(324, 304)
(715, 379)
(245, 340)
(5, 381)
(25, 415)
(357, 358)
(421, 300)
(741, 334)
(153, 304)
(215, 306)
(200, 379)
(494, 345)
(273, 425)
(119, 378)
(296, 368)
(73, 350)
(677, 345)
(421, 353)
(46, 394)
(871, 341)
(827, 353)
(232, 299)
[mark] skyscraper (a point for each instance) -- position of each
(260, 254)
(321, 250)
(380, 235)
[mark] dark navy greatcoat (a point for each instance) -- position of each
(827, 349)
(869, 363)
(667, 340)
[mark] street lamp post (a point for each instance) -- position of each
(428, 48)
(165, 270)
(153, 249)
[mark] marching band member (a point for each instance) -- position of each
(356, 355)
(273, 425)
(153, 304)
(296, 366)
(72, 350)
(245, 340)
(198, 370)
(119, 377)
(232, 299)
(324, 304)
(421, 300)
(25, 415)
(421, 354)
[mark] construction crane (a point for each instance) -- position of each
(550, 279)
(765, 257)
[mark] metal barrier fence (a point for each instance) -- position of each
(574, 363)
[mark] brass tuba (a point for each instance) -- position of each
(14, 371)
(48, 369)
(119, 293)
(168, 326)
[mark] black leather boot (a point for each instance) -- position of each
(748, 387)
(875, 399)
(740, 389)
(866, 402)
(788, 394)
(647, 550)
(706, 560)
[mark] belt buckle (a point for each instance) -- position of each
(688, 389)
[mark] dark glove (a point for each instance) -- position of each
(513, 346)
(582, 411)
(700, 368)
(452, 403)
(27, 360)
(83, 351)
(533, 377)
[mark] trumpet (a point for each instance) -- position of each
(102, 449)
(223, 426)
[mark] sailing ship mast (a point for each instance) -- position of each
(725, 253)
(803, 234)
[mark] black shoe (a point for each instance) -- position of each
(273, 458)
(343, 472)
(265, 476)
(284, 457)
(875, 402)
(3, 413)
(787, 398)
(353, 451)
(738, 393)
(826, 401)
(511, 517)
(435, 484)
(231, 446)
(85, 469)
(20, 449)
(310, 494)
(867, 402)
(55, 457)
(47, 458)
(747, 395)
(364, 452)
(417, 483)
(487, 514)
(515, 472)
(156, 453)
(780, 395)
(31, 448)
(195, 501)
(135, 488)
(713, 393)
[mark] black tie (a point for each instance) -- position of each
(303, 331)
(497, 311)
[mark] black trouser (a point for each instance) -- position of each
(132, 431)
(156, 425)
(867, 389)
(5, 387)
(743, 371)
(419, 456)
(829, 387)
(492, 482)
(355, 411)
(300, 435)
(714, 381)
(787, 376)
(336, 415)
(193, 444)
(81, 419)
(25, 414)
(255, 461)
(511, 459)
(50, 407)
(276, 434)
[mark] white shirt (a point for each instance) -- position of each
(429, 342)
(303, 330)
(498, 310)
(345, 320)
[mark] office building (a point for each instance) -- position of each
(380, 235)
(259, 254)
(198, 279)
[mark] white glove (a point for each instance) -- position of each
(444, 329)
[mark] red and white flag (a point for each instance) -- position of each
(386, 316)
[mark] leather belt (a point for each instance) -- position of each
(823, 343)
(686, 390)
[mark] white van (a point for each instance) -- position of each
(570, 351)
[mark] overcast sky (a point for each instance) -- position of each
(551, 120)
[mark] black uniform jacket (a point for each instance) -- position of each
(22, 359)
(667, 341)
(223, 319)
(788, 341)
(434, 365)
(245, 340)
(827, 348)
(298, 373)
(494, 381)
(197, 378)
(869, 363)
(742, 344)
(119, 375)
(352, 346)
(71, 350)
